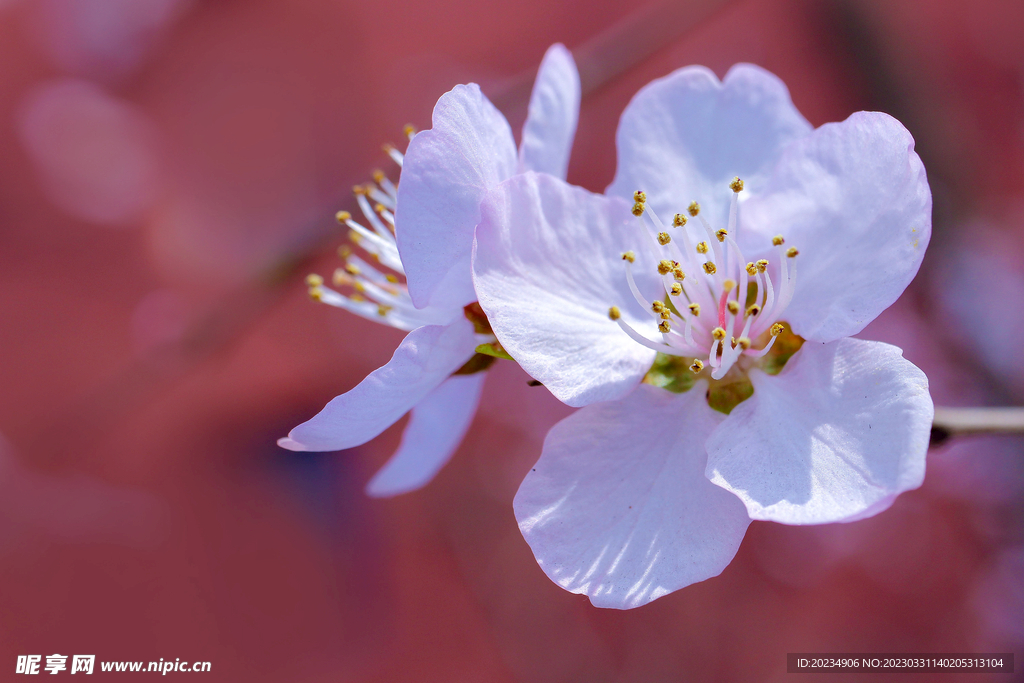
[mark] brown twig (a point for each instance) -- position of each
(950, 422)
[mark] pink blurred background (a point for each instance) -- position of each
(169, 170)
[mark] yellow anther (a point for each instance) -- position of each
(314, 280)
(678, 274)
(614, 313)
(702, 247)
(379, 208)
(382, 310)
(378, 176)
(657, 306)
(751, 269)
(733, 307)
(640, 197)
(791, 252)
(732, 342)
(359, 286)
(342, 216)
(677, 289)
(697, 366)
(663, 238)
(629, 256)
(351, 269)
(710, 268)
(408, 130)
(743, 343)
(638, 209)
(777, 240)
(358, 189)
(693, 208)
(679, 220)
(666, 314)
(728, 284)
(355, 238)
(736, 185)
(340, 278)
(393, 279)
(666, 267)
(358, 298)
(721, 235)
(665, 326)
(387, 148)
(762, 266)
(753, 309)
(695, 309)
(777, 329)
(315, 293)
(718, 333)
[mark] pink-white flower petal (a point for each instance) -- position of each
(547, 267)
(446, 172)
(618, 507)
(685, 136)
(435, 430)
(551, 120)
(835, 437)
(853, 199)
(424, 359)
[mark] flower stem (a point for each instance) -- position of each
(950, 422)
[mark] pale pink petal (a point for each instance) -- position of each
(554, 110)
(685, 136)
(447, 171)
(435, 430)
(618, 507)
(424, 359)
(547, 267)
(854, 200)
(835, 437)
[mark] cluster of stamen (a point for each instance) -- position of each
(745, 304)
(376, 290)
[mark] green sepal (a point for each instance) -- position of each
(723, 397)
(494, 349)
(782, 350)
(671, 373)
(477, 363)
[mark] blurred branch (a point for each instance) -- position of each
(950, 422)
(617, 49)
(600, 60)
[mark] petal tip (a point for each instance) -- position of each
(376, 488)
(291, 444)
(560, 50)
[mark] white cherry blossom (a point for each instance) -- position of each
(421, 230)
(746, 248)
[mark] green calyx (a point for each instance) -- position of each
(673, 373)
(494, 349)
(477, 363)
(483, 359)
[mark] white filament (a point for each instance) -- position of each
(708, 291)
(379, 298)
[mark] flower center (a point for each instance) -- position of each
(718, 308)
